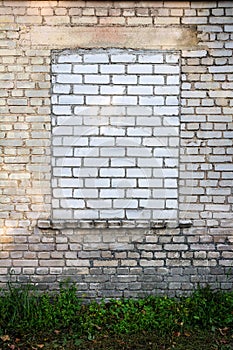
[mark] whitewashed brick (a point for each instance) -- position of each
(123, 183)
(96, 79)
(139, 131)
(85, 89)
(96, 58)
(170, 183)
(86, 193)
(61, 110)
(61, 68)
(62, 151)
(151, 79)
(63, 130)
(139, 110)
(63, 214)
(154, 163)
(196, 53)
(66, 121)
(86, 111)
(102, 141)
(70, 99)
(86, 152)
(166, 131)
(112, 69)
(98, 162)
(166, 69)
(148, 121)
(64, 192)
(172, 58)
(173, 79)
(113, 153)
(96, 121)
(72, 203)
(97, 183)
(111, 193)
(151, 100)
(123, 58)
(112, 90)
(166, 110)
(116, 110)
(140, 90)
(125, 203)
(111, 172)
(99, 204)
(171, 101)
(116, 121)
(112, 214)
(124, 79)
(141, 173)
(85, 214)
(139, 151)
(69, 78)
(139, 69)
(68, 162)
(151, 58)
(150, 183)
(62, 172)
(155, 141)
(61, 89)
(162, 193)
(75, 141)
(124, 100)
(69, 58)
(152, 203)
(128, 141)
(85, 68)
(85, 172)
(122, 162)
(166, 90)
(138, 193)
(138, 214)
(97, 100)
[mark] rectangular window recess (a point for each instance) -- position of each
(115, 137)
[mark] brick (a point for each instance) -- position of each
(70, 100)
(69, 79)
(62, 110)
(151, 79)
(96, 58)
(112, 69)
(112, 90)
(205, 142)
(94, 79)
(139, 69)
(123, 58)
(151, 101)
(140, 90)
(124, 100)
(85, 68)
(155, 58)
(127, 79)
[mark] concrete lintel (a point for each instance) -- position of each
(160, 37)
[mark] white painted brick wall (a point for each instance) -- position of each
(115, 135)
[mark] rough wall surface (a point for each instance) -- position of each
(115, 135)
(117, 261)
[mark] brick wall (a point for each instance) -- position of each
(115, 135)
(105, 261)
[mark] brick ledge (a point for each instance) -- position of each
(103, 224)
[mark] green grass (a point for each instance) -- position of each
(33, 320)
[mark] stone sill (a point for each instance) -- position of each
(104, 224)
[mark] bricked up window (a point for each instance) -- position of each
(115, 135)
